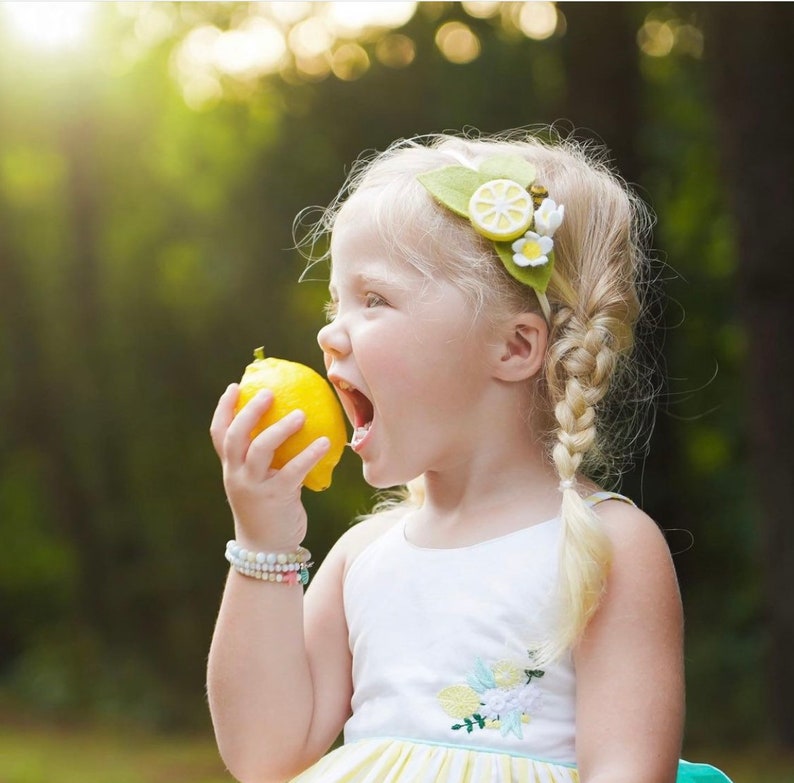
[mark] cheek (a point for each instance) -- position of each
(394, 378)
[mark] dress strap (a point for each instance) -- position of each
(600, 497)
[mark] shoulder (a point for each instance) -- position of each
(635, 537)
(355, 540)
(641, 583)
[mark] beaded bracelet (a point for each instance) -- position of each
(290, 568)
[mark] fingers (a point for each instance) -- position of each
(237, 438)
(223, 416)
(250, 460)
(260, 452)
(294, 472)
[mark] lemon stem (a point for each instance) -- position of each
(259, 353)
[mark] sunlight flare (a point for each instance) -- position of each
(49, 25)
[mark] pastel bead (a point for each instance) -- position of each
(280, 567)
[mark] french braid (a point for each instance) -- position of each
(580, 367)
(596, 305)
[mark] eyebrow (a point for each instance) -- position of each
(375, 280)
(364, 279)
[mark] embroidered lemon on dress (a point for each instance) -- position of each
(501, 210)
(459, 701)
(507, 674)
(296, 386)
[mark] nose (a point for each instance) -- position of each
(334, 340)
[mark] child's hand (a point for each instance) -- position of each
(266, 503)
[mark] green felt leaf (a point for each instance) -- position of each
(509, 167)
(453, 186)
(536, 277)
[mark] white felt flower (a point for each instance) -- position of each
(548, 217)
(532, 249)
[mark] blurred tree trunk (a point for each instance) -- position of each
(749, 50)
(604, 86)
(33, 422)
(603, 78)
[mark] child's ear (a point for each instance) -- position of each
(521, 348)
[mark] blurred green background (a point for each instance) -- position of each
(153, 157)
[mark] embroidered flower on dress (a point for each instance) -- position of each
(502, 697)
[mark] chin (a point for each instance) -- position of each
(385, 479)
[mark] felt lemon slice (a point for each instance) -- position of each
(296, 386)
(501, 210)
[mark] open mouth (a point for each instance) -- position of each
(359, 410)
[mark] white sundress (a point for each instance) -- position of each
(445, 689)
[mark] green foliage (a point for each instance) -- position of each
(702, 405)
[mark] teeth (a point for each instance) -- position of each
(344, 386)
(359, 433)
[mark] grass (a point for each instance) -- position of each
(36, 752)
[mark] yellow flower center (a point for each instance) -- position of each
(531, 249)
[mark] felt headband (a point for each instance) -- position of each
(504, 205)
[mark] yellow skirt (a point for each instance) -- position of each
(385, 760)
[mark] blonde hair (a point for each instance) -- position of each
(594, 399)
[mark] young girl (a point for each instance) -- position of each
(507, 620)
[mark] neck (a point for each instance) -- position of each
(489, 492)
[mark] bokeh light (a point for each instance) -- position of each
(349, 19)
(286, 13)
(395, 50)
(656, 38)
(310, 38)
(154, 23)
(458, 42)
(689, 40)
(481, 9)
(349, 62)
(663, 33)
(254, 49)
(538, 20)
(301, 41)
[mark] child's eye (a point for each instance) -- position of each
(329, 309)
(373, 300)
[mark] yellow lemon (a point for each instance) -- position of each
(296, 386)
(459, 701)
(501, 210)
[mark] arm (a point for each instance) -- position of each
(629, 663)
(278, 677)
